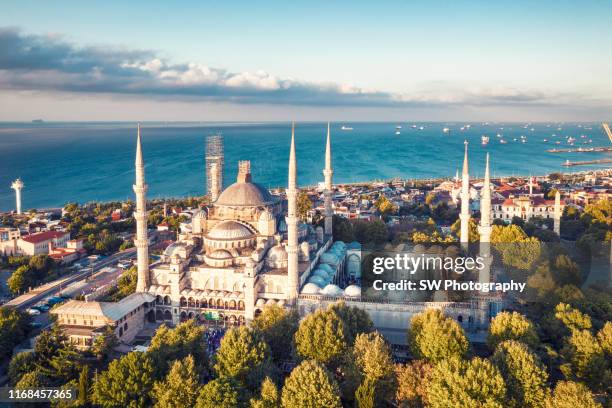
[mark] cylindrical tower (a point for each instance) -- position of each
(465, 200)
(17, 186)
(141, 241)
(292, 225)
(328, 173)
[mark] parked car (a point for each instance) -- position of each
(33, 312)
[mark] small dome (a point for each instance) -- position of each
(326, 268)
(230, 230)
(310, 289)
(260, 302)
(173, 250)
(202, 214)
(317, 280)
(321, 273)
(266, 216)
(352, 291)
(277, 254)
(220, 254)
(329, 258)
(331, 290)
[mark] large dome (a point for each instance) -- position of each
(245, 194)
(230, 230)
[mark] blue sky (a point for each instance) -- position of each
(430, 60)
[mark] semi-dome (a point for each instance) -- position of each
(266, 216)
(230, 230)
(220, 254)
(245, 194)
(310, 289)
(331, 290)
(352, 291)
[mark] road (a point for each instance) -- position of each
(52, 288)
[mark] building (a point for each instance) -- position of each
(83, 321)
(525, 207)
(34, 244)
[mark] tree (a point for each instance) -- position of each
(243, 355)
(604, 337)
(175, 344)
(523, 373)
(14, 327)
(269, 397)
(569, 394)
(180, 387)
(473, 234)
(321, 336)
(222, 392)
(303, 205)
(511, 326)
(83, 387)
(517, 249)
(436, 337)
(20, 280)
(126, 383)
(459, 383)
(373, 356)
(56, 359)
(104, 344)
(355, 320)
(585, 359)
(310, 385)
(412, 383)
(20, 364)
(385, 206)
(342, 229)
(572, 318)
(277, 326)
(365, 396)
(566, 271)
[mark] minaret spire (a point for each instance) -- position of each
(292, 225)
(485, 226)
(140, 214)
(557, 214)
(328, 173)
(465, 200)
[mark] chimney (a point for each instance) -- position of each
(244, 171)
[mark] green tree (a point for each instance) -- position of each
(321, 336)
(14, 327)
(243, 355)
(20, 280)
(459, 383)
(604, 337)
(572, 318)
(511, 326)
(524, 374)
(20, 364)
(355, 320)
(126, 383)
(180, 387)
(269, 397)
(83, 387)
(277, 326)
(436, 337)
(303, 205)
(517, 249)
(104, 344)
(175, 344)
(584, 358)
(373, 357)
(413, 383)
(310, 385)
(569, 394)
(222, 392)
(473, 234)
(56, 358)
(385, 206)
(365, 396)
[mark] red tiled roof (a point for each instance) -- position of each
(43, 236)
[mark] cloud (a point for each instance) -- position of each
(51, 63)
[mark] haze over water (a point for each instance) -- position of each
(67, 162)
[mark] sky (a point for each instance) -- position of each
(316, 60)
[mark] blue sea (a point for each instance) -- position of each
(82, 162)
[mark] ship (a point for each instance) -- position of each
(502, 141)
(446, 130)
(346, 128)
(397, 132)
(484, 140)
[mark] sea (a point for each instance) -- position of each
(84, 162)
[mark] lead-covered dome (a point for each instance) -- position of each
(230, 230)
(245, 194)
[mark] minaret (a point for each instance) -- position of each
(530, 186)
(141, 242)
(292, 226)
(328, 173)
(485, 226)
(214, 182)
(557, 214)
(17, 186)
(465, 200)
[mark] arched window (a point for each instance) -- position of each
(167, 315)
(159, 315)
(183, 302)
(166, 300)
(190, 302)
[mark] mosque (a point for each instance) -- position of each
(248, 249)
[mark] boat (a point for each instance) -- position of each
(484, 140)
(545, 140)
(446, 130)
(421, 128)
(571, 140)
(397, 132)
(413, 126)
(523, 140)
(502, 141)
(398, 127)
(346, 128)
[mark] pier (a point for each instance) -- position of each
(581, 150)
(584, 163)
